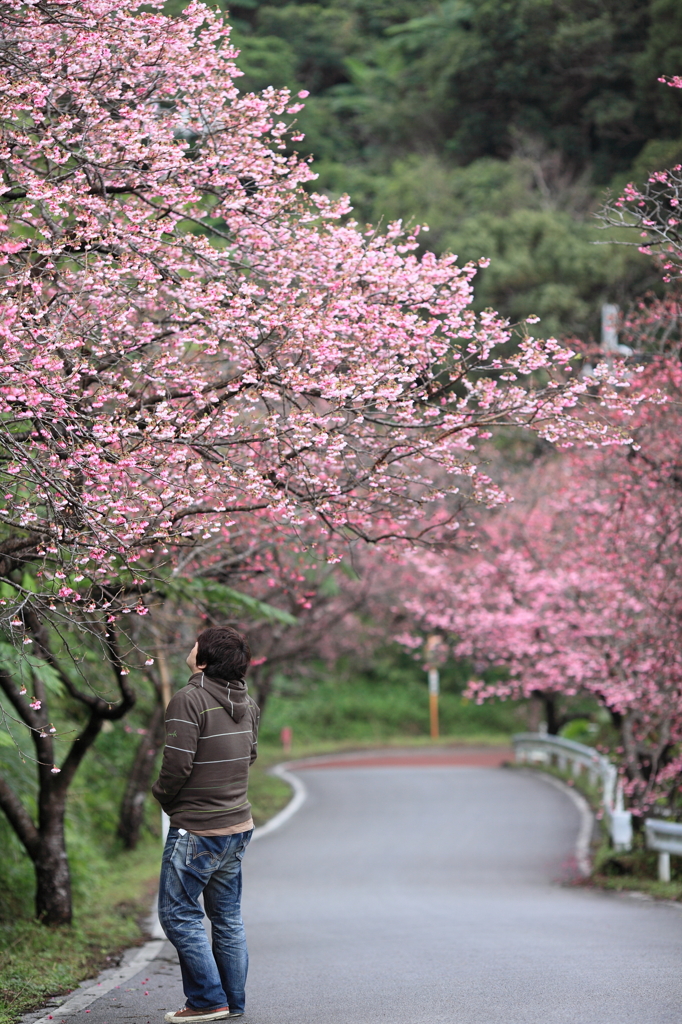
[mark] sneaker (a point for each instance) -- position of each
(190, 1013)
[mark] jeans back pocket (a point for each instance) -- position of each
(204, 853)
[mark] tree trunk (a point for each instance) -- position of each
(261, 683)
(132, 805)
(45, 842)
(551, 714)
(53, 878)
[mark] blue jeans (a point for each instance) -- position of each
(212, 865)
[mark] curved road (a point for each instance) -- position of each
(430, 894)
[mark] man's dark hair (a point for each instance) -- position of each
(225, 652)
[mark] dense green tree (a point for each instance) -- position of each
(662, 55)
(496, 122)
(463, 76)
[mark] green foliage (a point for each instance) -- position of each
(37, 962)
(17, 881)
(580, 730)
(546, 263)
(636, 870)
(496, 122)
(462, 76)
(23, 666)
(662, 55)
(639, 861)
(200, 591)
(268, 794)
(388, 700)
(265, 61)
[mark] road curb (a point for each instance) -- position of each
(298, 799)
(95, 988)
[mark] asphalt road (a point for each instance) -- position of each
(432, 894)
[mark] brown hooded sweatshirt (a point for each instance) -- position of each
(211, 739)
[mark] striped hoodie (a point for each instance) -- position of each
(211, 739)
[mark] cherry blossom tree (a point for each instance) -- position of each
(580, 589)
(189, 338)
(577, 588)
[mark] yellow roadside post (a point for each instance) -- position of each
(435, 651)
(434, 690)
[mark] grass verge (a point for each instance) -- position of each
(270, 754)
(268, 793)
(635, 871)
(38, 962)
(636, 883)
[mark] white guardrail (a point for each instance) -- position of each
(542, 748)
(666, 838)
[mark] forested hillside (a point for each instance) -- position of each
(500, 123)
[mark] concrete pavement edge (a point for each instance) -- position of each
(92, 989)
(296, 802)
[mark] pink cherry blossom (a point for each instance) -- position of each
(577, 588)
(191, 342)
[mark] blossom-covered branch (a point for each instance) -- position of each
(189, 338)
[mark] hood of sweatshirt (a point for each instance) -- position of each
(232, 695)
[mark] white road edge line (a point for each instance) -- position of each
(84, 997)
(582, 843)
(295, 804)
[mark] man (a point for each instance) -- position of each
(211, 738)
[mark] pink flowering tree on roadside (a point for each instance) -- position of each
(580, 589)
(577, 589)
(189, 340)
